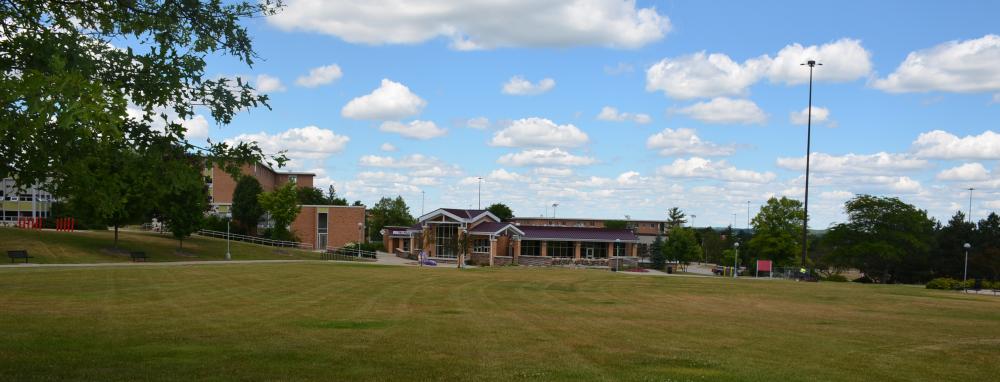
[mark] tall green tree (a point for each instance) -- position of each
(310, 195)
(501, 211)
(246, 208)
(675, 218)
(712, 244)
(283, 206)
(985, 257)
(682, 246)
(884, 237)
(657, 256)
(84, 79)
(946, 258)
(184, 202)
(778, 231)
(332, 199)
(389, 212)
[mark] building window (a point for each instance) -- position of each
(445, 234)
(481, 246)
(530, 248)
(406, 244)
(594, 250)
(559, 249)
(322, 230)
(620, 249)
(293, 178)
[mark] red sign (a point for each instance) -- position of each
(763, 265)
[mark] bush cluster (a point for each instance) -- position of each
(836, 278)
(948, 283)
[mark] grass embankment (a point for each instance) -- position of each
(338, 322)
(52, 247)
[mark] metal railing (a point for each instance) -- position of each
(349, 254)
(255, 239)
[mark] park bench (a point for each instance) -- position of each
(135, 256)
(19, 254)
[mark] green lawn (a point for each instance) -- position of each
(340, 322)
(52, 247)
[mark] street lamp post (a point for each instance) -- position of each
(554, 205)
(805, 218)
(970, 203)
(480, 193)
(965, 274)
(736, 259)
(228, 255)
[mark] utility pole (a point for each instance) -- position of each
(421, 202)
(480, 193)
(554, 205)
(805, 219)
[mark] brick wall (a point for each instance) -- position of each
(502, 260)
(541, 261)
(342, 224)
(480, 258)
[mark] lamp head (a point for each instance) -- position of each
(737, 244)
(967, 246)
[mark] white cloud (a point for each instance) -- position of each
(628, 178)
(415, 129)
(320, 76)
(418, 165)
(701, 76)
(387, 147)
(609, 113)
(269, 84)
(539, 132)
(843, 60)
(392, 100)
(301, 143)
(479, 24)
(819, 115)
(479, 123)
(197, 127)
(725, 110)
(517, 85)
(502, 175)
(965, 172)
(877, 163)
(955, 66)
(549, 171)
(541, 157)
(939, 144)
(685, 141)
(696, 167)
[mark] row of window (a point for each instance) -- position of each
(566, 249)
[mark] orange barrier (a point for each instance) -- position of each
(65, 224)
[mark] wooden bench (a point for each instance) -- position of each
(138, 255)
(19, 254)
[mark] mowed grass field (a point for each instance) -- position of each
(343, 322)
(52, 247)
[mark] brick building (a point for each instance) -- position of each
(646, 230)
(321, 226)
(494, 242)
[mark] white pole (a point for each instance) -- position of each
(228, 255)
(965, 275)
(736, 259)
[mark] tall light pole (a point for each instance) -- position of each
(965, 275)
(805, 219)
(748, 214)
(970, 203)
(228, 255)
(421, 202)
(736, 259)
(692, 220)
(480, 193)
(554, 205)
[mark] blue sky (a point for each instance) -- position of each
(702, 94)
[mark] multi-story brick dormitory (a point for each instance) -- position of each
(321, 226)
(501, 243)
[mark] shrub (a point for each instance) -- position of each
(863, 280)
(836, 278)
(944, 283)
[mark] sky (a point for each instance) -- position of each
(615, 108)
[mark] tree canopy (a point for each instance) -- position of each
(884, 237)
(246, 207)
(682, 245)
(675, 217)
(778, 231)
(283, 206)
(501, 211)
(389, 212)
(83, 78)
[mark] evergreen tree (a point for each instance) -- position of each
(246, 207)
